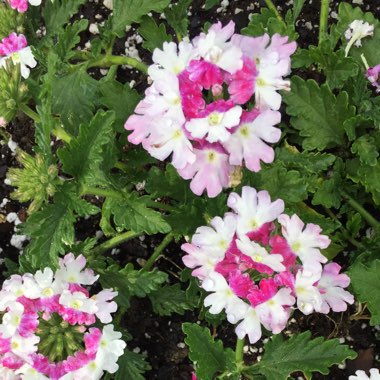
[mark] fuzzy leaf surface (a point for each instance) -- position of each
(131, 366)
(58, 12)
(300, 353)
(153, 34)
(365, 281)
(209, 355)
(84, 155)
(128, 11)
(78, 107)
(318, 114)
(177, 16)
(171, 299)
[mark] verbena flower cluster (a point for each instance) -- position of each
(361, 375)
(213, 105)
(45, 331)
(256, 274)
(15, 48)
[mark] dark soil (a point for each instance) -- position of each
(161, 337)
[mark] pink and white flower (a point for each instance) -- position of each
(251, 271)
(331, 287)
(22, 5)
(202, 94)
(14, 47)
(305, 243)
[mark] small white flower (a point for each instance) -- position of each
(78, 301)
(259, 254)
(215, 125)
(357, 30)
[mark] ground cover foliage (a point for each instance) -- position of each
(326, 170)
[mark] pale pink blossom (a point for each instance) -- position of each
(211, 170)
(104, 305)
(305, 242)
(372, 75)
(202, 259)
(71, 270)
(248, 142)
(331, 286)
(274, 313)
(168, 137)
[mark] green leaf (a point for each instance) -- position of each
(74, 98)
(297, 8)
(267, 22)
(328, 191)
(281, 183)
(318, 114)
(365, 279)
(130, 282)
(121, 99)
(368, 176)
(208, 355)
(300, 353)
(58, 12)
(366, 149)
(138, 217)
(83, 157)
(154, 35)
(128, 11)
(68, 39)
(338, 69)
(177, 16)
(171, 299)
(131, 366)
(307, 162)
(168, 184)
(50, 229)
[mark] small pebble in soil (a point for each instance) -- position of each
(181, 345)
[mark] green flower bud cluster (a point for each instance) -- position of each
(10, 21)
(12, 90)
(36, 182)
(58, 339)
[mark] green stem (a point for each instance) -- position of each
(114, 242)
(110, 60)
(271, 6)
(57, 131)
(360, 209)
(157, 252)
(323, 20)
(239, 351)
(29, 112)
